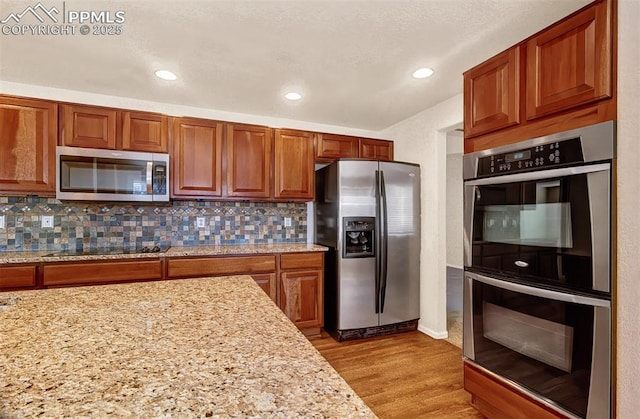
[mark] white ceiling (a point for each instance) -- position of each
(352, 60)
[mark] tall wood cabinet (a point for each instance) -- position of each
(28, 129)
(248, 158)
(196, 158)
(559, 79)
(294, 170)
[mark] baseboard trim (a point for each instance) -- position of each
(432, 333)
(456, 267)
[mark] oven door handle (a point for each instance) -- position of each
(540, 292)
(542, 174)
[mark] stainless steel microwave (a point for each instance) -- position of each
(88, 174)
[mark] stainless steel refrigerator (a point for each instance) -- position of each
(368, 214)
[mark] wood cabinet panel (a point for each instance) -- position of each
(498, 400)
(375, 149)
(570, 64)
(491, 94)
(27, 145)
(294, 165)
(142, 131)
(86, 272)
(248, 161)
(17, 277)
(333, 147)
(216, 266)
(301, 260)
(268, 284)
(88, 126)
(301, 297)
(196, 158)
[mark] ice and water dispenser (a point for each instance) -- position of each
(359, 237)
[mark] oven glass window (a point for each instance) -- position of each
(541, 344)
(537, 229)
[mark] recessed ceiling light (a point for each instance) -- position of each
(293, 96)
(166, 75)
(422, 73)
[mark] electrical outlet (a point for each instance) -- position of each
(201, 222)
(1, 222)
(287, 221)
(47, 221)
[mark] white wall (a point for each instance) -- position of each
(628, 184)
(454, 205)
(422, 139)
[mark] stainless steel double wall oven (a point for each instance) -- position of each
(537, 287)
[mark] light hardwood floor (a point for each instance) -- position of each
(408, 375)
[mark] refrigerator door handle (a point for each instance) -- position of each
(385, 242)
(377, 245)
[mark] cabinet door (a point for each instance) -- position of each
(569, 64)
(12, 277)
(492, 94)
(376, 149)
(74, 273)
(248, 161)
(333, 147)
(196, 158)
(89, 126)
(143, 131)
(301, 297)
(294, 165)
(268, 284)
(27, 145)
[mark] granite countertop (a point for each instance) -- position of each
(175, 251)
(181, 348)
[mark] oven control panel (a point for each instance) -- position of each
(532, 158)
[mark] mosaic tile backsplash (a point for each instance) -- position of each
(97, 225)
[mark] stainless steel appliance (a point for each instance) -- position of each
(108, 175)
(368, 214)
(537, 287)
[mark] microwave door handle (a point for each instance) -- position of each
(149, 178)
(539, 292)
(537, 175)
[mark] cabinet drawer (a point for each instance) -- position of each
(177, 268)
(17, 276)
(301, 260)
(97, 272)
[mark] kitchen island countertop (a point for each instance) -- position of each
(7, 258)
(204, 347)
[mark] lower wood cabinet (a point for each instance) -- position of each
(94, 272)
(496, 399)
(301, 290)
(17, 277)
(262, 269)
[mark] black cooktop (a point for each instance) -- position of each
(108, 251)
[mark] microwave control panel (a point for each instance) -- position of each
(159, 179)
(532, 158)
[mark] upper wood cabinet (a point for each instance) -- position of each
(196, 158)
(88, 126)
(561, 78)
(375, 149)
(569, 64)
(294, 169)
(143, 131)
(491, 94)
(333, 147)
(98, 127)
(248, 158)
(28, 129)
